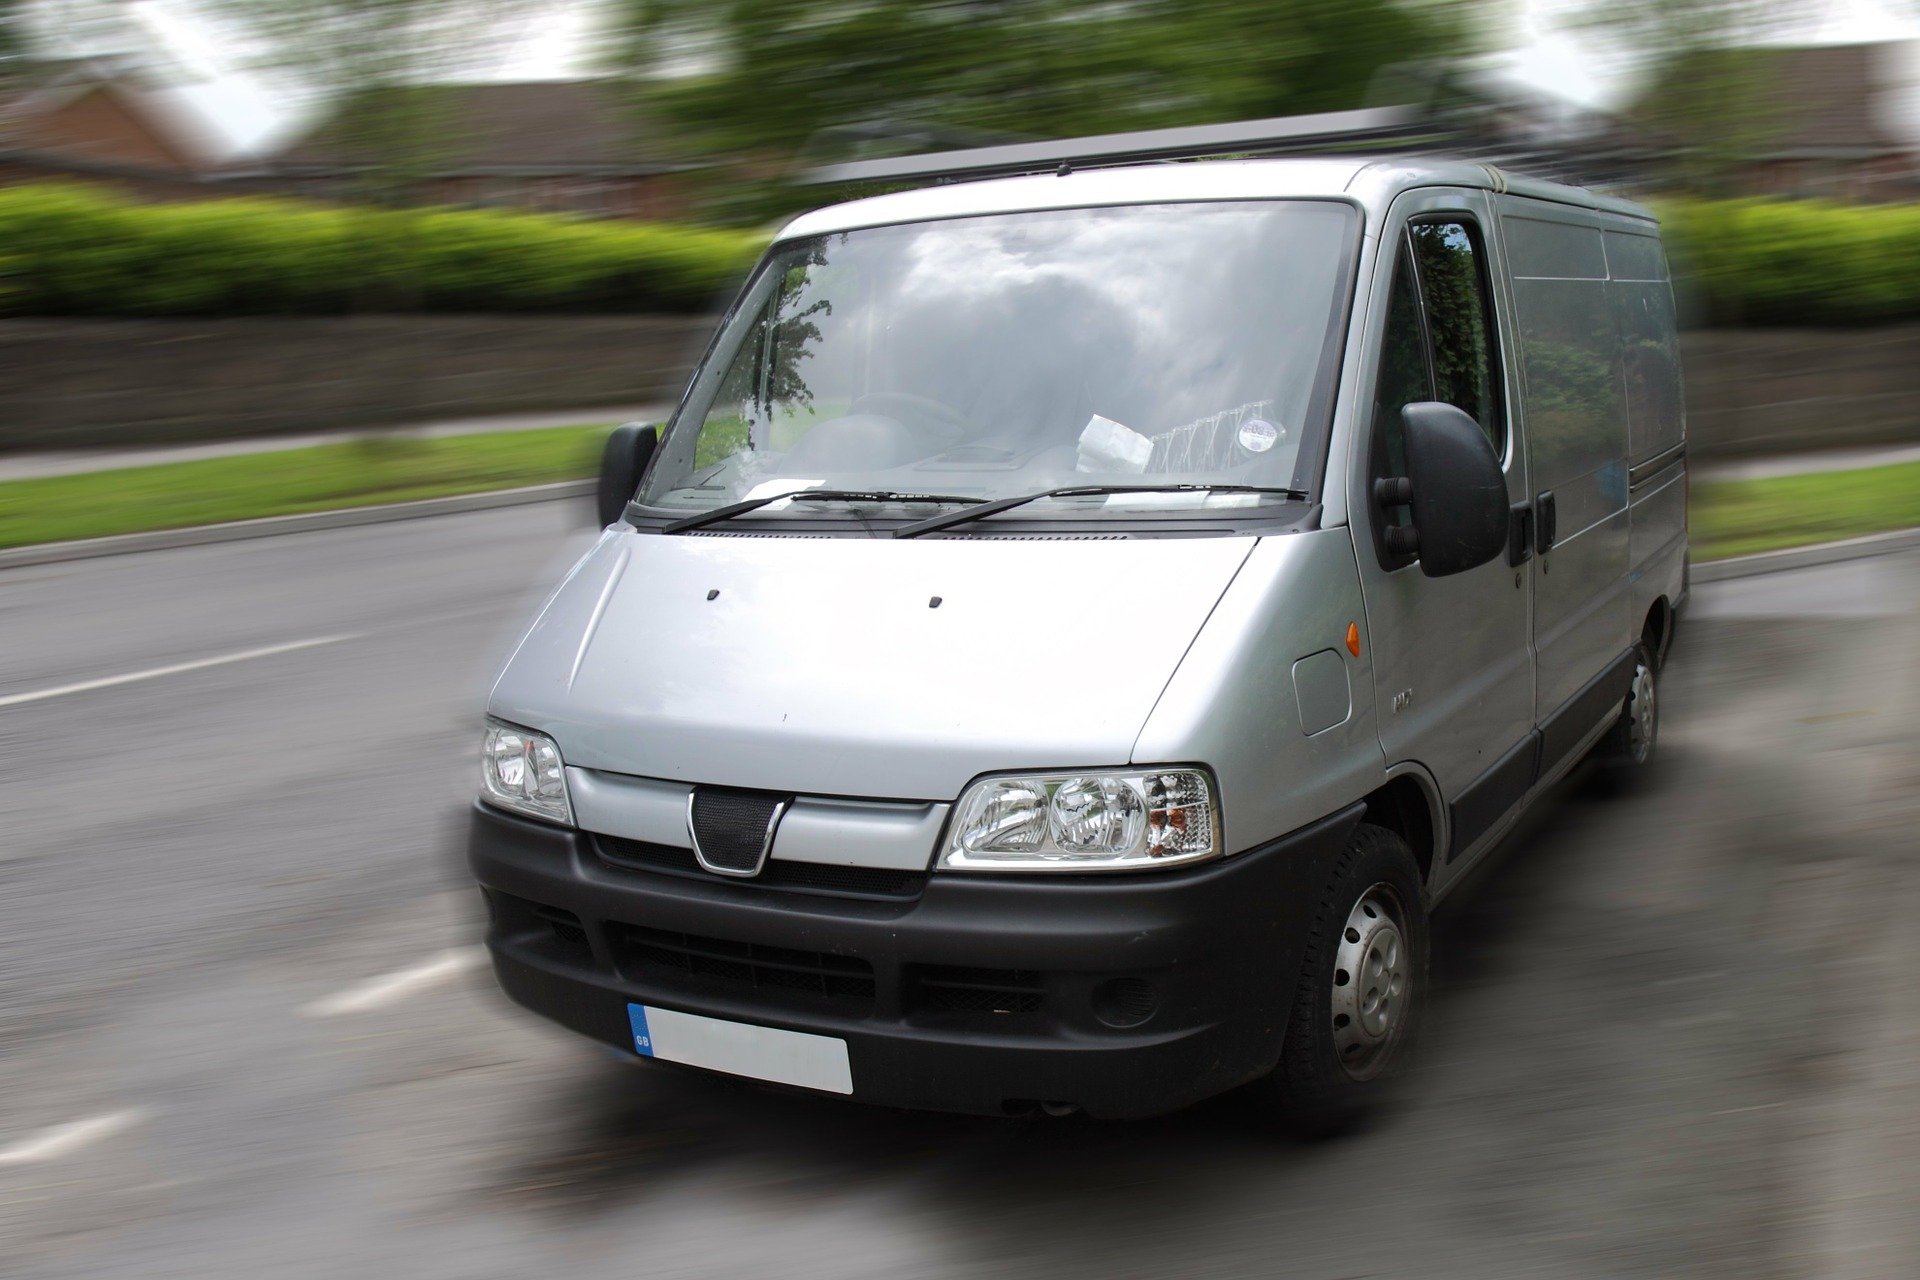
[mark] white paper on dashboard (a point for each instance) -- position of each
(1106, 445)
(769, 488)
(1181, 498)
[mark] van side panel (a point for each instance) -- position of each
(1643, 313)
(1576, 425)
(1659, 541)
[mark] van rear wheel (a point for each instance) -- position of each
(1362, 983)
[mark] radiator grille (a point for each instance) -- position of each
(733, 828)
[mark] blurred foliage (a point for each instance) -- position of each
(1670, 27)
(15, 36)
(73, 251)
(1771, 262)
(1714, 94)
(375, 57)
(1716, 109)
(762, 76)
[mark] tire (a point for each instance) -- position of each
(1629, 745)
(1345, 1039)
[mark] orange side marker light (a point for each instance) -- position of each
(1353, 638)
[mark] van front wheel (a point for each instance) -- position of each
(1629, 744)
(1363, 977)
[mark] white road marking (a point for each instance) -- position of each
(65, 1139)
(107, 682)
(389, 988)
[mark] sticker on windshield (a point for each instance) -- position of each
(1257, 435)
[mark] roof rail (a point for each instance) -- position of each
(1372, 128)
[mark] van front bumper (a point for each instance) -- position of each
(1123, 995)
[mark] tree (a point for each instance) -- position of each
(13, 30)
(1708, 91)
(762, 76)
(368, 62)
(65, 29)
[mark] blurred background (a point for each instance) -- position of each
(323, 264)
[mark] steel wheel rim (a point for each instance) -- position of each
(1372, 983)
(1642, 716)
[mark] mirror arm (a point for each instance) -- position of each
(1393, 491)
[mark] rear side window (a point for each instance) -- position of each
(1439, 345)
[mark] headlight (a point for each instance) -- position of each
(522, 770)
(1112, 820)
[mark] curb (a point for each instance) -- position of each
(1877, 544)
(271, 526)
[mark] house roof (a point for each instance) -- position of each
(35, 91)
(1806, 100)
(551, 126)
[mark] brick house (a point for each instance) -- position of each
(103, 121)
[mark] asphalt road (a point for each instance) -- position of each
(1676, 1033)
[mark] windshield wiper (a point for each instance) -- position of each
(947, 519)
(717, 514)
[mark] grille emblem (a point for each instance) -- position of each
(732, 831)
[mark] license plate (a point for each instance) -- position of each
(741, 1049)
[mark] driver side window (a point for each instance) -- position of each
(1438, 345)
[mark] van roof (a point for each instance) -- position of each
(1372, 182)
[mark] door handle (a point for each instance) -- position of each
(1543, 522)
(1519, 533)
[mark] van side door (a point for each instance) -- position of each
(1575, 422)
(1453, 669)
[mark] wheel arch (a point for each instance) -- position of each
(1656, 630)
(1408, 804)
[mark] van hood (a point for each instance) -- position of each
(860, 666)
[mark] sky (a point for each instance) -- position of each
(250, 109)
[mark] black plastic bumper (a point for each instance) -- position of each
(1125, 995)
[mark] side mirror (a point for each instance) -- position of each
(622, 463)
(1459, 496)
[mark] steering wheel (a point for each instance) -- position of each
(918, 411)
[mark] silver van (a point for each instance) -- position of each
(1076, 627)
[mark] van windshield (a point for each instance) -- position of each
(1015, 353)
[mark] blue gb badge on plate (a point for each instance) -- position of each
(642, 1039)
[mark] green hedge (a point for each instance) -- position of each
(1773, 262)
(72, 251)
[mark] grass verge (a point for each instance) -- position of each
(1730, 517)
(1740, 517)
(356, 473)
